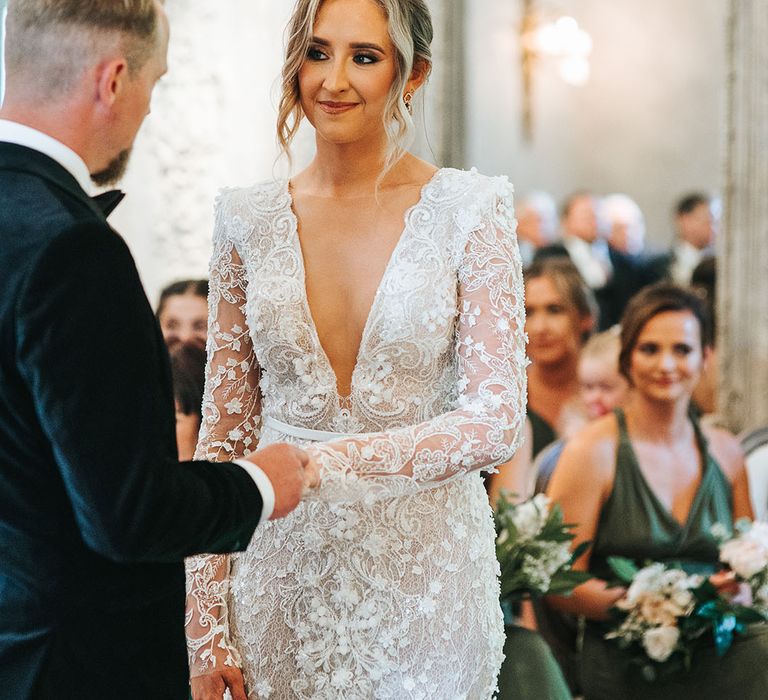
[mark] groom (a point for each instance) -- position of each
(96, 513)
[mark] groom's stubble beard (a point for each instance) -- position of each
(114, 171)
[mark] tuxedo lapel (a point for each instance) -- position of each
(27, 160)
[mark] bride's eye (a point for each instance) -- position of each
(365, 59)
(315, 54)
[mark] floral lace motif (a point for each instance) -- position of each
(383, 582)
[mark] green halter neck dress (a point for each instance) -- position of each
(633, 523)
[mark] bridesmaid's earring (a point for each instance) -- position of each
(407, 98)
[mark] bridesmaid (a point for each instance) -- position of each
(529, 671)
(648, 483)
(561, 313)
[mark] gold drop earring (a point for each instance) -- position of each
(407, 98)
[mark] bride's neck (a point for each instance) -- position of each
(346, 169)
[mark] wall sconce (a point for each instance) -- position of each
(562, 40)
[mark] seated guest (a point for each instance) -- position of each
(626, 224)
(612, 275)
(703, 281)
(647, 482)
(697, 222)
(188, 375)
(536, 215)
(602, 387)
(183, 312)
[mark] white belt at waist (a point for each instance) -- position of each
(304, 433)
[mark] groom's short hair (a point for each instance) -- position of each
(49, 43)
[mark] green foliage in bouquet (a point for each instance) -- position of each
(533, 546)
(667, 616)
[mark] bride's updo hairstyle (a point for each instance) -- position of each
(410, 29)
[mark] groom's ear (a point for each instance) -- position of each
(111, 79)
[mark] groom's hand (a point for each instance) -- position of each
(212, 685)
(284, 465)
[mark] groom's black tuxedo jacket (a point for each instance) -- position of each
(96, 513)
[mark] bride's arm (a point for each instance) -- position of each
(485, 428)
(229, 429)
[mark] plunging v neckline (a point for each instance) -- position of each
(310, 319)
(681, 525)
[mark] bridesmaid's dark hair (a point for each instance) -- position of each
(651, 302)
(188, 372)
(198, 288)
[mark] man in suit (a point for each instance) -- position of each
(611, 274)
(96, 512)
(697, 221)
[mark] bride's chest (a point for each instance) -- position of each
(405, 306)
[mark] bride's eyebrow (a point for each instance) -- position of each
(354, 45)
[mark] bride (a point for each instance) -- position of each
(371, 309)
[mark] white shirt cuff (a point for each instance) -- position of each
(264, 485)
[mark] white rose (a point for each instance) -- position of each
(645, 581)
(660, 642)
(529, 517)
(759, 533)
(745, 556)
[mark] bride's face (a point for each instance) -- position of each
(348, 72)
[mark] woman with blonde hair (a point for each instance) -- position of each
(369, 309)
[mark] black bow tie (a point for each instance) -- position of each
(107, 201)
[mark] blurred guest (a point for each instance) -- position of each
(560, 315)
(536, 215)
(612, 275)
(602, 385)
(626, 224)
(188, 374)
(603, 388)
(703, 282)
(648, 483)
(183, 312)
(697, 221)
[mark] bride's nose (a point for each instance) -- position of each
(336, 79)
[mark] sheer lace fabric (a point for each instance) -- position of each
(382, 583)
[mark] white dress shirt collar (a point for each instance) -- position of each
(21, 135)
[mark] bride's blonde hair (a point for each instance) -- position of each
(410, 29)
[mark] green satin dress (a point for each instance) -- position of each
(530, 671)
(635, 524)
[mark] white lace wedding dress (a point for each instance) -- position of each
(383, 582)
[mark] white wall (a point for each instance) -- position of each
(650, 121)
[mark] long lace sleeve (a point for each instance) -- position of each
(229, 429)
(485, 428)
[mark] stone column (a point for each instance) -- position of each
(440, 116)
(743, 271)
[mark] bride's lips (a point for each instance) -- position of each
(337, 107)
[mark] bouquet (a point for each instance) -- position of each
(667, 615)
(533, 547)
(746, 555)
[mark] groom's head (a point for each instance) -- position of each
(85, 69)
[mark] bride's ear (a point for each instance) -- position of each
(419, 74)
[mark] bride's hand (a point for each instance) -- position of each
(211, 686)
(311, 472)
